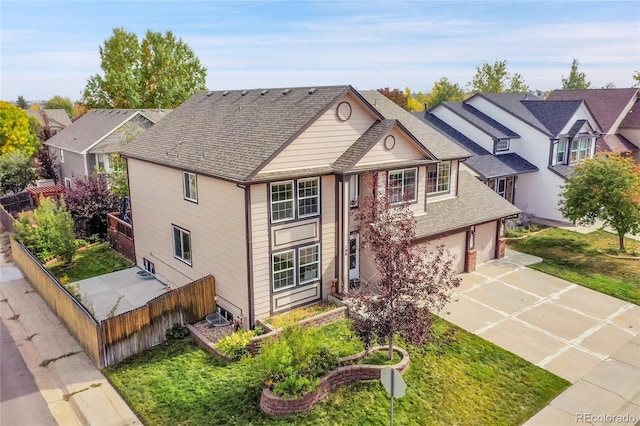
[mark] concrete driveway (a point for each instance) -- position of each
(586, 337)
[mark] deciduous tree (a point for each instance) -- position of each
(58, 102)
(396, 95)
(496, 79)
(89, 201)
(445, 91)
(22, 103)
(46, 165)
(16, 172)
(576, 80)
(16, 133)
(47, 231)
(606, 188)
(162, 70)
(636, 77)
(411, 282)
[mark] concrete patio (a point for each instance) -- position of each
(104, 291)
(586, 337)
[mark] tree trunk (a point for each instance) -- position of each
(390, 346)
(621, 238)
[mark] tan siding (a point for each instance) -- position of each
(260, 251)
(328, 242)
(216, 223)
(325, 140)
(404, 149)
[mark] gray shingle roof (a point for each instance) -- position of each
(482, 121)
(364, 143)
(512, 103)
(476, 203)
(438, 144)
(554, 115)
(607, 105)
(231, 134)
(90, 128)
(58, 115)
(494, 166)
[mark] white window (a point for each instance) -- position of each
(402, 185)
(561, 151)
(438, 177)
(501, 187)
(182, 244)
(284, 267)
(581, 150)
(190, 186)
(282, 201)
(62, 155)
(284, 270)
(309, 259)
(354, 190)
(67, 182)
(502, 145)
(308, 197)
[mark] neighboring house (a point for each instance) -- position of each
(89, 141)
(524, 147)
(58, 118)
(257, 188)
(617, 111)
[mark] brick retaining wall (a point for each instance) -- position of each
(276, 405)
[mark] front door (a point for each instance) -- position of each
(354, 256)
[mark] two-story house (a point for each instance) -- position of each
(257, 188)
(535, 144)
(89, 141)
(618, 114)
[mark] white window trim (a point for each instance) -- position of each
(67, 182)
(173, 238)
(186, 186)
(444, 191)
(402, 188)
(565, 144)
(292, 201)
(354, 190)
(502, 141)
(294, 268)
(300, 265)
(503, 194)
(62, 155)
(317, 197)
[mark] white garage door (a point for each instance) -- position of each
(485, 242)
(455, 244)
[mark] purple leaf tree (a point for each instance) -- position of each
(89, 201)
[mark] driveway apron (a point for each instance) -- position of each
(586, 337)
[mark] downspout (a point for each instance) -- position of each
(247, 215)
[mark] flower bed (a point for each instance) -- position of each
(276, 405)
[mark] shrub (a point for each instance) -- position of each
(235, 344)
(47, 232)
(178, 331)
(293, 364)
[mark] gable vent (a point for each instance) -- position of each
(286, 91)
(244, 92)
(312, 90)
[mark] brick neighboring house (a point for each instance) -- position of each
(618, 113)
(257, 187)
(58, 118)
(524, 147)
(91, 139)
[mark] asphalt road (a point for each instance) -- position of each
(21, 403)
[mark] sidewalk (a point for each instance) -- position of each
(76, 392)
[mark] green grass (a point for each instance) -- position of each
(583, 259)
(90, 262)
(300, 314)
(469, 381)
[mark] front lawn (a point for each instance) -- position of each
(585, 259)
(89, 262)
(470, 381)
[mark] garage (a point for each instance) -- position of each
(455, 244)
(485, 242)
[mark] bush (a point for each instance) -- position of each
(235, 344)
(293, 364)
(47, 232)
(178, 331)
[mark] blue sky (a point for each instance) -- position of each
(51, 48)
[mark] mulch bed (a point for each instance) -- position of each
(213, 333)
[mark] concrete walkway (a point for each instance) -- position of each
(586, 337)
(75, 390)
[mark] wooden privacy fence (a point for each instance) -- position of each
(134, 331)
(6, 220)
(112, 340)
